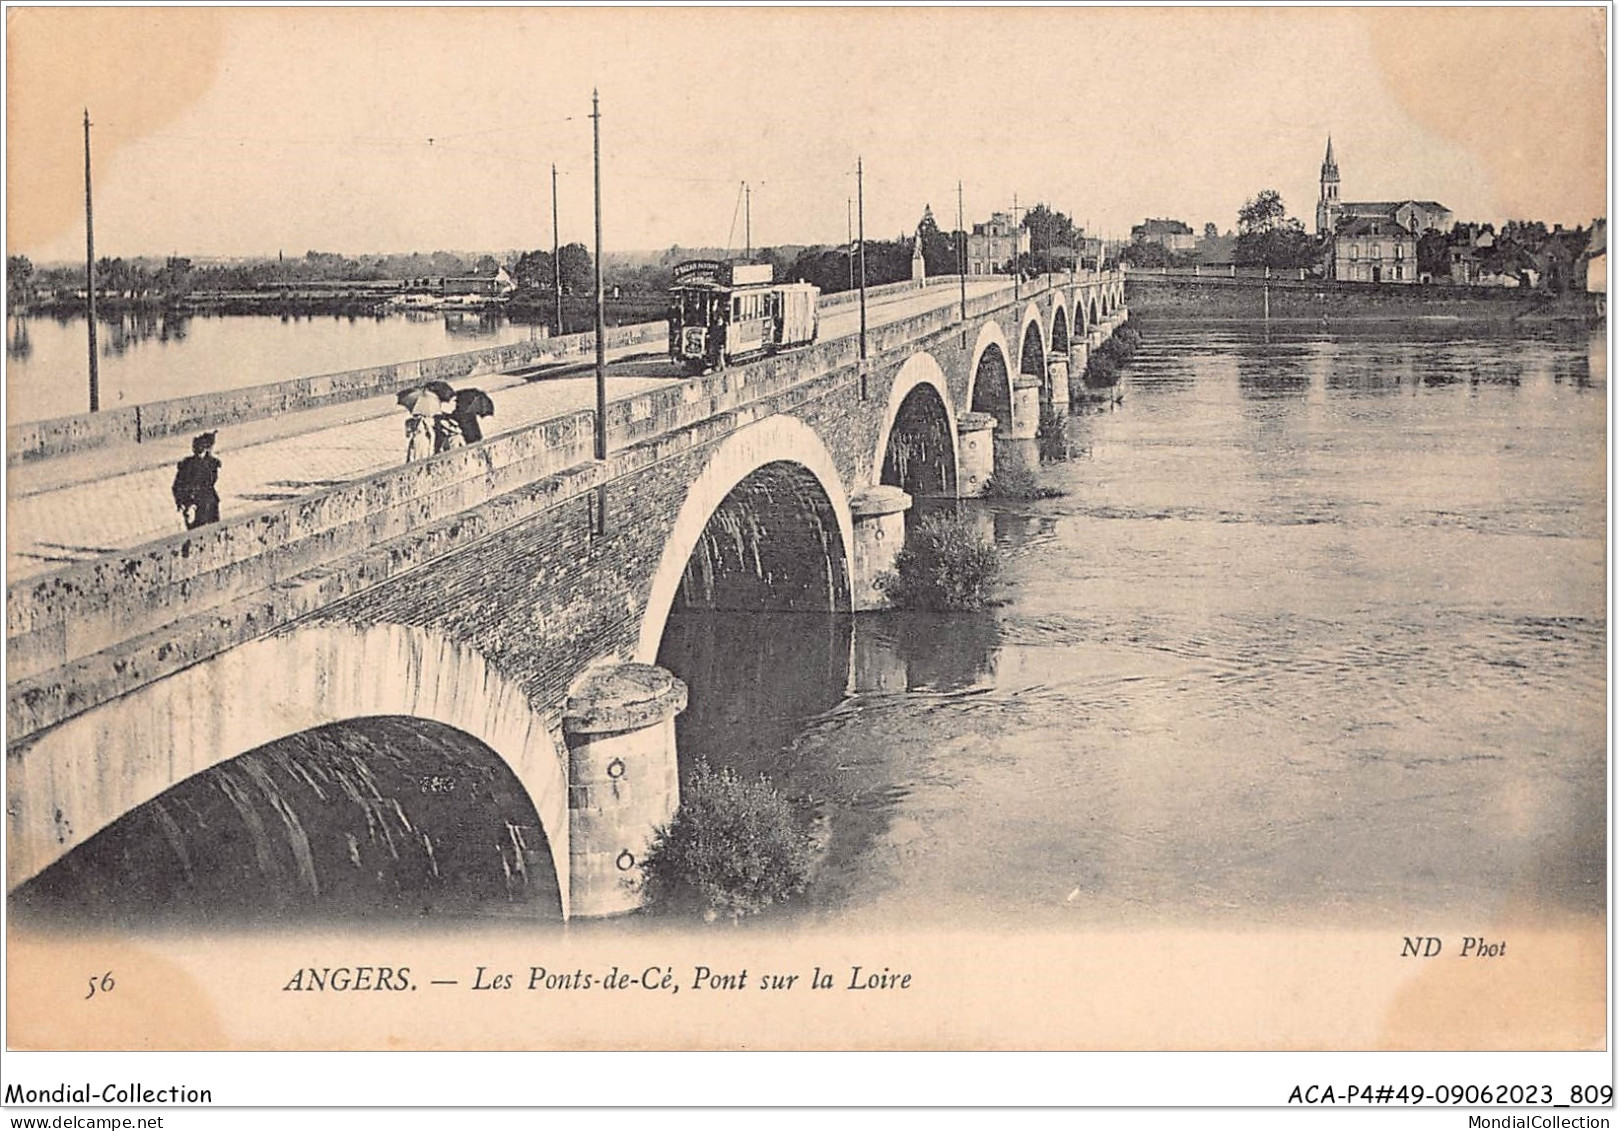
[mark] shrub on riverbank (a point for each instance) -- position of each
(1020, 484)
(734, 848)
(1102, 367)
(1053, 433)
(945, 566)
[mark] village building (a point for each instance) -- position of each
(994, 244)
(1373, 249)
(1171, 235)
(1596, 259)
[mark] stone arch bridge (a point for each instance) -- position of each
(482, 589)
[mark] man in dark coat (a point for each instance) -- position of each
(194, 484)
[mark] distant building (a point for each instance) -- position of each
(1373, 249)
(1596, 259)
(1171, 235)
(994, 243)
(1416, 216)
(498, 285)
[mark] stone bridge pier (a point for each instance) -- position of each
(519, 591)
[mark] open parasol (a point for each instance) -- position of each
(420, 401)
(473, 402)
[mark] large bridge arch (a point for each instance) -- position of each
(919, 406)
(78, 778)
(1032, 344)
(793, 456)
(1059, 329)
(989, 378)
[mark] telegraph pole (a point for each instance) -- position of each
(601, 322)
(747, 220)
(860, 191)
(961, 249)
(1017, 243)
(556, 251)
(850, 202)
(90, 270)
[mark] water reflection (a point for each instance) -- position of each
(18, 345)
(1267, 370)
(919, 651)
(752, 678)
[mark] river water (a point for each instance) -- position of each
(152, 357)
(1315, 635)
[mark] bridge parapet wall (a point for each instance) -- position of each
(41, 439)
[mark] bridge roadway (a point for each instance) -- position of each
(75, 508)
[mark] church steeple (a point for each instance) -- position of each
(1326, 209)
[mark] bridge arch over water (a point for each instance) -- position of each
(777, 466)
(918, 447)
(989, 384)
(267, 689)
(1032, 345)
(1059, 329)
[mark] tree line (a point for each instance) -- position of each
(146, 281)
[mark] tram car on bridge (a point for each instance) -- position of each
(722, 313)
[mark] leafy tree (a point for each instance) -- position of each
(1433, 254)
(1147, 254)
(1048, 229)
(1267, 236)
(1263, 213)
(1211, 231)
(19, 279)
(534, 270)
(578, 274)
(938, 248)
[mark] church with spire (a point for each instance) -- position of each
(1373, 241)
(1415, 216)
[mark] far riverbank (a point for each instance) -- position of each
(1312, 301)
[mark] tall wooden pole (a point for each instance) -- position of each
(1017, 243)
(556, 251)
(860, 192)
(601, 321)
(850, 210)
(90, 270)
(747, 220)
(961, 248)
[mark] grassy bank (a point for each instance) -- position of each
(1291, 300)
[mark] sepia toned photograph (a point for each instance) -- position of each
(971, 529)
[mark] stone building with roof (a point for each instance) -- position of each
(1373, 241)
(1416, 216)
(1373, 249)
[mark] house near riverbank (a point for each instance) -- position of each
(1374, 249)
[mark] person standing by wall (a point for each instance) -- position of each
(195, 483)
(418, 436)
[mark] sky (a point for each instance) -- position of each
(229, 132)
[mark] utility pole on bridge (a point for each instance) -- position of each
(90, 270)
(860, 191)
(601, 320)
(961, 250)
(556, 251)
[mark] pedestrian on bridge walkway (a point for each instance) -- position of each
(195, 483)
